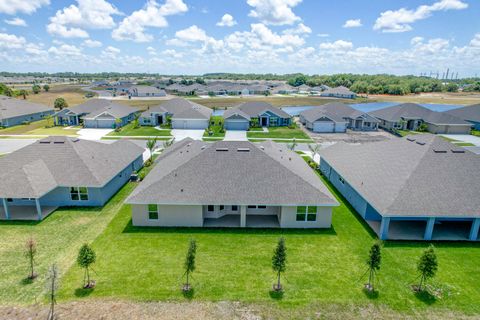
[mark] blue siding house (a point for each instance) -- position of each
(417, 188)
(250, 114)
(36, 183)
(15, 111)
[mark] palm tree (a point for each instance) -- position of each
(314, 148)
(151, 144)
(292, 145)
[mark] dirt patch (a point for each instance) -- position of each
(119, 310)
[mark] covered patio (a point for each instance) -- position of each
(262, 221)
(26, 212)
(227, 221)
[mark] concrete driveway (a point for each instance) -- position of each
(464, 138)
(235, 135)
(180, 134)
(10, 145)
(93, 134)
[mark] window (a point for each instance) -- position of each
(152, 212)
(262, 207)
(306, 213)
(79, 193)
(273, 121)
(222, 207)
(342, 181)
(210, 208)
(252, 207)
(234, 208)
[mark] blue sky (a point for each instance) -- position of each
(278, 36)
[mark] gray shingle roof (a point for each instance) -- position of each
(11, 107)
(117, 110)
(195, 172)
(417, 176)
(336, 112)
(341, 90)
(254, 109)
(415, 111)
(61, 161)
(469, 113)
(95, 107)
(182, 109)
(144, 89)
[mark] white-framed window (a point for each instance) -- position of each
(79, 193)
(306, 213)
(152, 212)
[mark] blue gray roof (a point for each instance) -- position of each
(12, 107)
(468, 113)
(254, 109)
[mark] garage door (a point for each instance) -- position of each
(236, 125)
(323, 126)
(106, 124)
(189, 124)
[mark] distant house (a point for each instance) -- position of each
(284, 89)
(247, 114)
(15, 111)
(339, 92)
(468, 113)
(337, 117)
(317, 90)
(96, 113)
(231, 184)
(184, 114)
(145, 91)
(61, 171)
(304, 89)
(409, 116)
(417, 188)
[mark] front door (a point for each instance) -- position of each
(159, 119)
(264, 121)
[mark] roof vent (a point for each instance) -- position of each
(58, 142)
(222, 149)
(262, 147)
(421, 143)
(410, 139)
(243, 149)
(203, 147)
(458, 151)
(439, 151)
(45, 142)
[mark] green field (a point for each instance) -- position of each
(325, 267)
(129, 130)
(279, 133)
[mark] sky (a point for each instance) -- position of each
(241, 36)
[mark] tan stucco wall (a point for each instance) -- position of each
(288, 218)
(169, 216)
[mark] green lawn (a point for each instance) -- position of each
(216, 128)
(464, 144)
(129, 130)
(324, 267)
(57, 131)
(279, 133)
(404, 133)
(475, 133)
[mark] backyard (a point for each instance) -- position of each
(325, 267)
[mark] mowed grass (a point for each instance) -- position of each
(279, 133)
(324, 267)
(59, 238)
(129, 130)
(55, 131)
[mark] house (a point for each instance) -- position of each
(469, 113)
(284, 89)
(421, 187)
(184, 114)
(304, 89)
(339, 92)
(409, 116)
(15, 111)
(231, 184)
(62, 171)
(337, 117)
(145, 91)
(96, 113)
(248, 114)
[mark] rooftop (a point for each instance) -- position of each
(12, 107)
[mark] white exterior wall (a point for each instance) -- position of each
(449, 129)
(288, 218)
(168, 216)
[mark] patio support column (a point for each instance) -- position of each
(39, 209)
(5, 207)
(429, 229)
(243, 216)
(384, 228)
(474, 230)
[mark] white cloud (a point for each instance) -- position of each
(227, 21)
(267, 36)
(16, 22)
(71, 21)
(110, 52)
(274, 12)
(11, 41)
(300, 29)
(172, 53)
(339, 45)
(152, 15)
(323, 35)
(432, 46)
(353, 23)
(92, 43)
(192, 33)
(475, 41)
(151, 51)
(66, 50)
(23, 6)
(400, 20)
